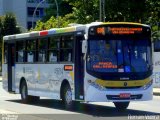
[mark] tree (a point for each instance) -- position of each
(153, 13)
(85, 11)
(125, 10)
(10, 25)
(54, 22)
(64, 8)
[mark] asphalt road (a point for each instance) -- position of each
(48, 109)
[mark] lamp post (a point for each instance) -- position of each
(102, 10)
(22, 29)
(37, 8)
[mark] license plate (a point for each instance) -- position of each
(124, 95)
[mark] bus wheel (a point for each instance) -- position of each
(121, 106)
(24, 93)
(67, 97)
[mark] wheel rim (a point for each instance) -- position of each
(24, 92)
(68, 97)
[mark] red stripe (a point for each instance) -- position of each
(43, 33)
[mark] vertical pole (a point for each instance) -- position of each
(103, 10)
(100, 10)
(37, 8)
(57, 12)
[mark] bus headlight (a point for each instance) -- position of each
(96, 85)
(147, 85)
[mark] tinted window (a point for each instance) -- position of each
(42, 49)
(31, 50)
(20, 50)
(66, 50)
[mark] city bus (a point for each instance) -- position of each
(96, 62)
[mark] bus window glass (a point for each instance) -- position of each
(20, 48)
(42, 49)
(54, 42)
(5, 52)
(108, 56)
(31, 50)
(54, 45)
(66, 48)
(53, 56)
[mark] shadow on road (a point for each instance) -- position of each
(89, 109)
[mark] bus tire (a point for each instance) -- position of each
(67, 97)
(121, 106)
(24, 93)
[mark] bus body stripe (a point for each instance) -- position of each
(130, 83)
(34, 34)
(43, 33)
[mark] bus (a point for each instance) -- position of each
(156, 58)
(96, 62)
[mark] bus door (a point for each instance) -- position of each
(79, 69)
(11, 67)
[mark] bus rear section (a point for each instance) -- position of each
(118, 63)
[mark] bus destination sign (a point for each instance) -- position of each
(118, 30)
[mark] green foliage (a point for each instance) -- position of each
(10, 25)
(54, 22)
(125, 10)
(64, 8)
(86, 11)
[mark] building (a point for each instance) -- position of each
(24, 9)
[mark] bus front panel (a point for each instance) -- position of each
(118, 63)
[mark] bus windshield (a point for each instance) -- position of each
(122, 56)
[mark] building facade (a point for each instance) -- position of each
(23, 10)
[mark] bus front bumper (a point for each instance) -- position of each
(114, 95)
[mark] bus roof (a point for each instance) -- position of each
(62, 30)
(45, 32)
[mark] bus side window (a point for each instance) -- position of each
(42, 49)
(157, 46)
(66, 50)
(5, 53)
(31, 50)
(53, 51)
(20, 48)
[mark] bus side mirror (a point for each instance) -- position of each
(84, 46)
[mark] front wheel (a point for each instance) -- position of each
(67, 97)
(121, 106)
(24, 95)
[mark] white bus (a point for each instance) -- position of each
(97, 62)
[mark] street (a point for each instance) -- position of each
(47, 109)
